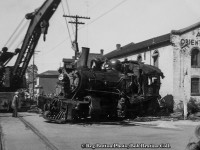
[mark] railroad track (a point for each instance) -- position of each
(44, 139)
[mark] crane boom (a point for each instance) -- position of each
(39, 24)
(12, 78)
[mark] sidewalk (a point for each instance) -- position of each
(168, 124)
(16, 136)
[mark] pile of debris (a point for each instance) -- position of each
(35, 109)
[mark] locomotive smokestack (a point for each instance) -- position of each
(82, 62)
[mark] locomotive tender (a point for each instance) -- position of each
(110, 89)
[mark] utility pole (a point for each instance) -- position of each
(76, 33)
(34, 73)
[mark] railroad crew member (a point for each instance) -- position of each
(106, 65)
(96, 64)
(15, 103)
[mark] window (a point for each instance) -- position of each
(155, 58)
(195, 90)
(195, 58)
(139, 58)
(144, 55)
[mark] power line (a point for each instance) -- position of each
(66, 22)
(76, 22)
(69, 14)
(92, 22)
(107, 12)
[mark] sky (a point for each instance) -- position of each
(111, 22)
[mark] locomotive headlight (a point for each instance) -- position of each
(61, 77)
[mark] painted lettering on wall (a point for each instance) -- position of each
(198, 34)
(192, 42)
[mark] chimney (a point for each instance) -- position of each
(101, 51)
(118, 47)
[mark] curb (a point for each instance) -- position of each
(2, 144)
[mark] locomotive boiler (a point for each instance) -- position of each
(106, 89)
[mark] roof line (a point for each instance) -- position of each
(131, 48)
(187, 29)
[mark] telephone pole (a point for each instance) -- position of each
(76, 22)
(33, 69)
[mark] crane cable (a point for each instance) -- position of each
(70, 14)
(20, 31)
(51, 50)
(14, 31)
(66, 22)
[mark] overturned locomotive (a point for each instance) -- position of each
(110, 89)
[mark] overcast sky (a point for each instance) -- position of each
(112, 22)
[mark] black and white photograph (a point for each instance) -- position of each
(100, 74)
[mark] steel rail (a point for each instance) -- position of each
(39, 134)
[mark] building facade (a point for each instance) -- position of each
(177, 54)
(47, 82)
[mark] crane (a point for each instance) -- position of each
(13, 77)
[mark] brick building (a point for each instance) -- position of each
(177, 54)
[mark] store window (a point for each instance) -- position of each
(195, 84)
(155, 58)
(195, 58)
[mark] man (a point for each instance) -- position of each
(106, 64)
(15, 103)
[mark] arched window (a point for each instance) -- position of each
(195, 58)
(195, 86)
(139, 58)
(155, 58)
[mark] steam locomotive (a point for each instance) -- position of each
(106, 89)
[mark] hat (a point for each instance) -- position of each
(16, 93)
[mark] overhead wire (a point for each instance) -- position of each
(105, 13)
(67, 29)
(69, 14)
(94, 6)
(14, 32)
(66, 22)
(18, 35)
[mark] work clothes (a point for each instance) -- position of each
(15, 103)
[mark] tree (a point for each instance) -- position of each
(31, 71)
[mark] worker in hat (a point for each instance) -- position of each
(15, 103)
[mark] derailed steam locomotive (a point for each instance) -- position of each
(110, 89)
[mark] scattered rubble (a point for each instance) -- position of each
(35, 109)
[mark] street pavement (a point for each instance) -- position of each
(79, 136)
